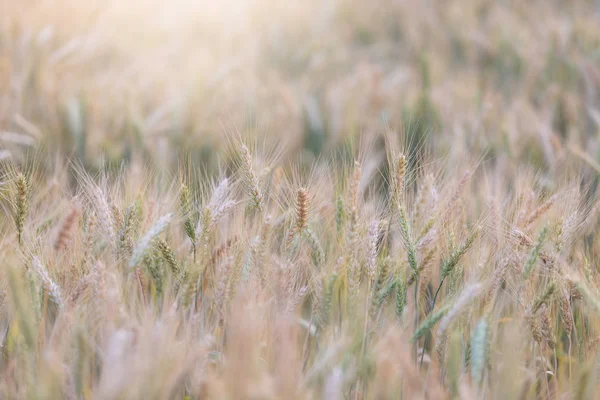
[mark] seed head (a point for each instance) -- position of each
(64, 234)
(20, 204)
(399, 177)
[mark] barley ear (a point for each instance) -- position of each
(535, 252)
(186, 209)
(399, 171)
(66, 229)
(20, 204)
(129, 229)
(340, 215)
(400, 297)
(189, 215)
(143, 244)
(51, 287)
(429, 323)
(301, 216)
(543, 298)
(456, 255)
(316, 250)
(252, 180)
(168, 255)
(407, 240)
(328, 298)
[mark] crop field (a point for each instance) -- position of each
(319, 199)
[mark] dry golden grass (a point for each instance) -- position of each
(324, 199)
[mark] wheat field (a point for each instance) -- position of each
(335, 199)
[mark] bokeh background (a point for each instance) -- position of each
(109, 82)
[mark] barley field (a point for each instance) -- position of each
(321, 199)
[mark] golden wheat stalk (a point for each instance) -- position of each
(301, 216)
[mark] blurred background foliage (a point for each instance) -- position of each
(110, 82)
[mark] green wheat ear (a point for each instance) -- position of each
(543, 298)
(144, 243)
(400, 296)
(316, 249)
(328, 299)
(429, 323)
(168, 255)
(252, 181)
(535, 252)
(188, 213)
(20, 204)
(130, 227)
